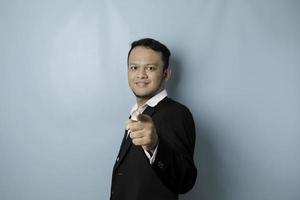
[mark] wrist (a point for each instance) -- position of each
(154, 146)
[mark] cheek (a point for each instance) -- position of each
(157, 78)
(130, 76)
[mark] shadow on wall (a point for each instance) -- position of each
(175, 66)
(209, 164)
(209, 180)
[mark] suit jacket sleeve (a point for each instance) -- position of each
(174, 162)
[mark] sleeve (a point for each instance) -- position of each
(151, 157)
(174, 162)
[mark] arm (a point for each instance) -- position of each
(174, 159)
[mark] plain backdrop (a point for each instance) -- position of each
(64, 97)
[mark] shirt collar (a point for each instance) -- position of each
(153, 101)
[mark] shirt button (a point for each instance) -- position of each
(117, 159)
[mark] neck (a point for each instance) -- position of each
(141, 101)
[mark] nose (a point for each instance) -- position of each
(142, 73)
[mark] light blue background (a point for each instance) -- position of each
(64, 97)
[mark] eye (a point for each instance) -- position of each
(133, 67)
(151, 68)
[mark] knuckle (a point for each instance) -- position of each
(132, 134)
(135, 142)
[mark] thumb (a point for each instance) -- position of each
(143, 118)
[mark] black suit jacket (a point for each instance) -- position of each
(173, 171)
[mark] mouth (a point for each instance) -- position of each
(141, 83)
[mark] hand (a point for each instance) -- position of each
(143, 132)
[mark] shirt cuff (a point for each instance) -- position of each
(151, 158)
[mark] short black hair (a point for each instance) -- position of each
(155, 46)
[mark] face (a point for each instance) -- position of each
(146, 76)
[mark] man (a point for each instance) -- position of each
(155, 160)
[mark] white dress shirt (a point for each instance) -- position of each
(135, 111)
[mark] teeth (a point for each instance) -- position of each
(141, 84)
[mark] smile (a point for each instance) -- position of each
(141, 84)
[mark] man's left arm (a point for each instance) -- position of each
(174, 161)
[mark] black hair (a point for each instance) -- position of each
(155, 46)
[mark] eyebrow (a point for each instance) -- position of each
(155, 64)
(152, 64)
(131, 65)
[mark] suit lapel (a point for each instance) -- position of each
(126, 143)
(149, 111)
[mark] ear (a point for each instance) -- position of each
(167, 74)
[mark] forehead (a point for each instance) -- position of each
(141, 54)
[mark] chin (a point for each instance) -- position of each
(143, 95)
(141, 92)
